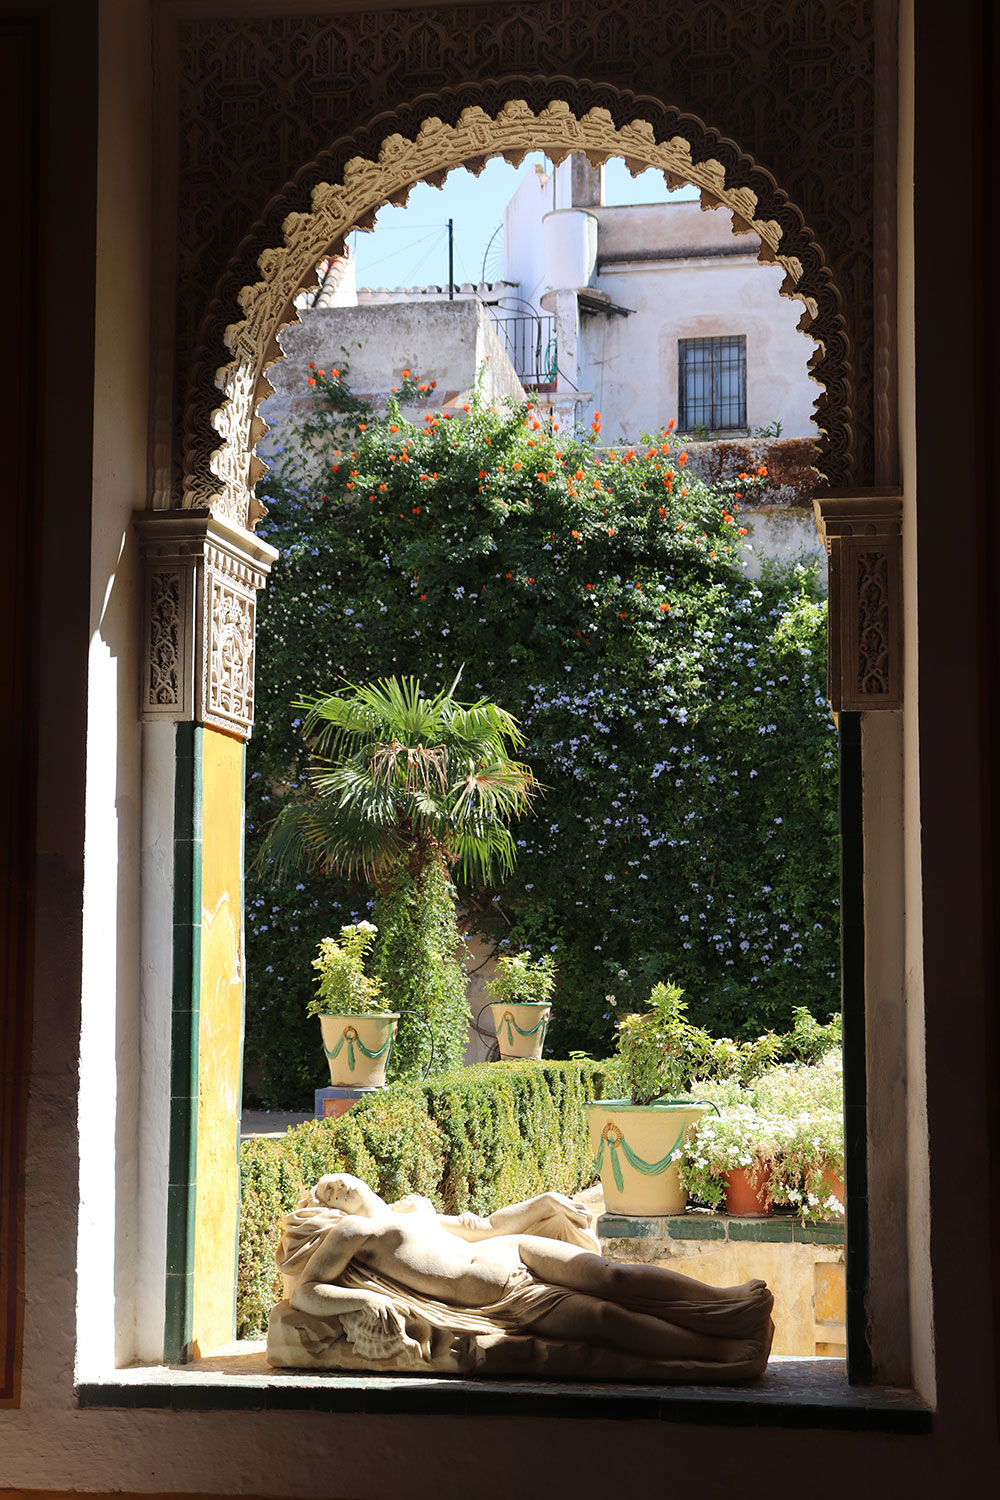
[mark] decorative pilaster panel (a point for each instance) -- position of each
(202, 577)
(862, 533)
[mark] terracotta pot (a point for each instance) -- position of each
(520, 1028)
(835, 1186)
(742, 1197)
(649, 1132)
(358, 1047)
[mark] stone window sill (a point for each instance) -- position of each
(794, 1393)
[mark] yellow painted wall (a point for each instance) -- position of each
(221, 1042)
(807, 1281)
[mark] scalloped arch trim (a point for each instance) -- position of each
(222, 468)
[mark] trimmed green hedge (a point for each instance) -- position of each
(473, 1139)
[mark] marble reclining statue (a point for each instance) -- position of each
(401, 1288)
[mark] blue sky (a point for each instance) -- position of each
(409, 246)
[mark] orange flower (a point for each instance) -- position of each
(383, 486)
(312, 364)
(482, 474)
(423, 387)
(350, 484)
(578, 474)
(542, 475)
(416, 510)
(334, 374)
(393, 429)
(663, 510)
(433, 384)
(321, 372)
(311, 380)
(743, 531)
(597, 416)
(466, 407)
(405, 374)
(762, 472)
(682, 459)
(671, 424)
(664, 606)
(517, 466)
(423, 596)
(510, 575)
(621, 616)
(590, 585)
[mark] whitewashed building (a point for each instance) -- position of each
(648, 312)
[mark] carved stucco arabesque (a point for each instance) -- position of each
(862, 533)
(260, 102)
(202, 575)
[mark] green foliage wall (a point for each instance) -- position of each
(474, 1139)
(675, 711)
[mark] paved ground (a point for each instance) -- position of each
(269, 1122)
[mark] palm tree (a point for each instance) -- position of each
(404, 790)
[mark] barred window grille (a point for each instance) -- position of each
(712, 383)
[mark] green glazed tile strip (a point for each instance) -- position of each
(696, 1229)
(184, 1045)
(852, 980)
(762, 1231)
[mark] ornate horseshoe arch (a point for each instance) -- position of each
(220, 467)
(343, 189)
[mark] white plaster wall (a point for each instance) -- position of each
(918, 1201)
(110, 1046)
(630, 363)
(783, 533)
(441, 340)
(159, 742)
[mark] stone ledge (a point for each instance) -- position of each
(698, 1224)
(794, 1393)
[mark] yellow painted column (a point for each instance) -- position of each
(220, 1042)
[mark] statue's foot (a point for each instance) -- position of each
(748, 1291)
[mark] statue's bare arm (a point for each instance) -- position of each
(316, 1291)
(518, 1218)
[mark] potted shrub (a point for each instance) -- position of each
(731, 1159)
(638, 1141)
(357, 1025)
(521, 1011)
(808, 1100)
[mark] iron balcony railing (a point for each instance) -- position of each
(530, 345)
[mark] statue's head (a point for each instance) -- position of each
(348, 1194)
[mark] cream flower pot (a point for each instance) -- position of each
(520, 1027)
(632, 1146)
(358, 1047)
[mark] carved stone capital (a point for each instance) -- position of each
(862, 533)
(202, 574)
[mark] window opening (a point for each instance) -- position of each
(711, 390)
(712, 383)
